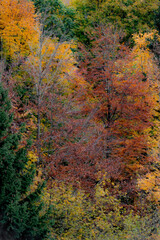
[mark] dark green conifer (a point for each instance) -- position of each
(20, 209)
(58, 18)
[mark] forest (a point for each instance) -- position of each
(79, 119)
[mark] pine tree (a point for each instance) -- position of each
(57, 18)
(20, 209)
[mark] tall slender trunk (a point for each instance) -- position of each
(38, 127)
(39, 102)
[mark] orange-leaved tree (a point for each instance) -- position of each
(17, 22)
(124, 98)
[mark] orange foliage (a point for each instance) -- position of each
(17, 22)
(125, 98)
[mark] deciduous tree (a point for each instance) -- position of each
(124, 100)
(17, 22)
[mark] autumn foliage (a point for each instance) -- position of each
(88, 98)
(118, 101)
(17, 23)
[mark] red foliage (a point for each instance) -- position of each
(123, 102)
(100, 127)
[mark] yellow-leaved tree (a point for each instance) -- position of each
(50, 66)
(17, 26)
(145, 61)
(78, 217)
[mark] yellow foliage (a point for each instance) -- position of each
(144, 61)
(142, 40)
(38, 178)
(143, 56)
(17, 22)
(32, 158)
(151, 184)
(53, 61)
(82, 218)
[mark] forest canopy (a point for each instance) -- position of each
(79, 119)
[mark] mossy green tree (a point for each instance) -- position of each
(22, 214)
(57, 18)
(132, 16)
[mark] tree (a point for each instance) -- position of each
(124, 97)
(17, 22)
(131, 16)
(49, 67)
(79, 217)
(60, 18)
(21, 215)
(157, 20)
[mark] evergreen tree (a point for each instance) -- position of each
(157, 20)
(58, 18)
(21, 214)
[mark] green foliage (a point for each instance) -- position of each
(157, 19)
(85, 19)
(58, 18)
(20, 210)
(132, 16)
